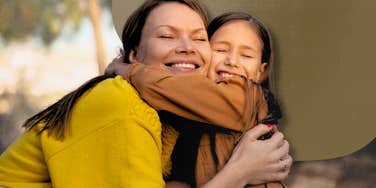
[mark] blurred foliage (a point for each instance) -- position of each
(44, 19)
(15, 107)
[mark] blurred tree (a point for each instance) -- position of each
(15, 107)
(45, 19)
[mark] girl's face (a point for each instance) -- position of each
(236, 51)
(174, 36)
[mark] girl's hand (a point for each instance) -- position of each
(118, 67)
(260, 161)
(255, 161)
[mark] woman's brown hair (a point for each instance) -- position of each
(56, 117)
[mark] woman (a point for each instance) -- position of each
(90, 138)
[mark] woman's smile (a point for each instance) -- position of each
(183, 65)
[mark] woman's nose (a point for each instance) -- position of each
(185, 46)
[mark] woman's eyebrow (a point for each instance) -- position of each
(176, 29)
(168, 26)
(199, 29)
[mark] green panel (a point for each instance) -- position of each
(324, 52)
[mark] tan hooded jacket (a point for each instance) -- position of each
(198, 98)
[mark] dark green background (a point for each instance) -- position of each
(324, 51)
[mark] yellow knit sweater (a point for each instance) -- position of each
(113, 140)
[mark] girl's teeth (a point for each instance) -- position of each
(184, 65)
(226, 75)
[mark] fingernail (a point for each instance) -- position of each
(269, 125)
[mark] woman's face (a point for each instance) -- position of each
(236, 50)
(174, 36)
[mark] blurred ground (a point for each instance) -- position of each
(357, 170)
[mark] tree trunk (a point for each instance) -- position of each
(95, 15)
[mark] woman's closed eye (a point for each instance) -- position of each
(166, 36)
(200, 39)
(221, 50)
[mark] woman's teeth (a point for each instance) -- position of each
(184, 65)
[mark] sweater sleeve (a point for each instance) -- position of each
(114, 140)
(123, 153)
(192, 96)
(23, 164)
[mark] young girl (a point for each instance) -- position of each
(241, 61)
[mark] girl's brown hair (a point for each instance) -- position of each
(261, 30)
(274, 111)
(56, 117)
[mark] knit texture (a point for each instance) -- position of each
(113, 140)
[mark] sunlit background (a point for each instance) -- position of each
(50, 47)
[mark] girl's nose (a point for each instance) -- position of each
(231, 60)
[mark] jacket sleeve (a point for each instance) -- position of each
(192, 96)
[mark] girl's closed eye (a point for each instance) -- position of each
(221, 47)
(247, 55)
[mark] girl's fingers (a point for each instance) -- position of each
(286, 157)
(280, 152)
(275, 128)
(256, 132)
(284, 149)
(276, 140)
(280, 165)
(285, 164)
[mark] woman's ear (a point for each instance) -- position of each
(133, 57)
(263, 73)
